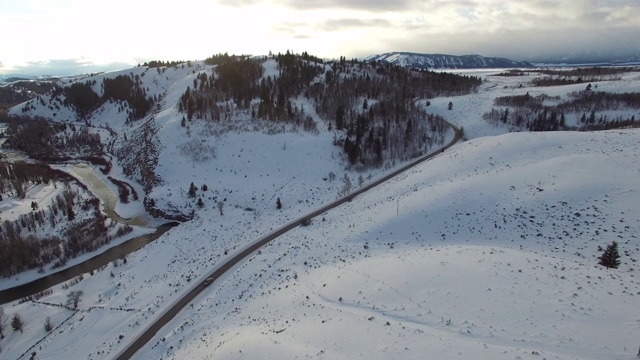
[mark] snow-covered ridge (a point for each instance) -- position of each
(442, 61)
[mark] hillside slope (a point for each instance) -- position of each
(488, 251)
(442, 61)
(169, 125)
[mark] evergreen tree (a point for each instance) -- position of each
(278, 204)
(610, 258)
(340, 118)
(192, 190)
(70, 214)
(17, 323)
(200, 203)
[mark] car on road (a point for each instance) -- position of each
(208, 281)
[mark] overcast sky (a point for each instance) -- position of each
(59, 37)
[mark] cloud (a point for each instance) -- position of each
(343, 24)
(364, 5)
(530, 30)
(239, 3)
(331, 25)
(536, 46)
(521, 29)
(61, 67)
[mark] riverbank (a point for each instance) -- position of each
(107, 195)
(144, 231)
(29, 276)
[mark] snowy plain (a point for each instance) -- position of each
(488, 251)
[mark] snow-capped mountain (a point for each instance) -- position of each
(442, 61)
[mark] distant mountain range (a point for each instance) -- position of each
(442, 61)
(580, 60)
(614, 52)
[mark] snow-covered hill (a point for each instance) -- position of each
(488, 251)
(165, 152)
(441, 61)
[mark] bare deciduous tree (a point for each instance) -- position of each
(346, 187)
(73, 298)
(48, 325)
(3, 322)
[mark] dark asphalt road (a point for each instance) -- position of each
(153, 329)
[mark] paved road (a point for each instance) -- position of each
(170, 313)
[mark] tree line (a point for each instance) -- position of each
(17, 176)
(139, 155)
(585, 71)
(128, 89)
(81, 96)
(529, 112)
(160, 63)
(20, 246)
(41, 138)
(370, 107)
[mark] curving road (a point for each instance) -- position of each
(170, 313)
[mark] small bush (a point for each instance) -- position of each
(48, 325)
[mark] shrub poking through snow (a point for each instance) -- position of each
(17, 323)
(48, 325)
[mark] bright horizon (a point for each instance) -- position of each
(67, 37)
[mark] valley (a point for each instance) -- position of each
(488, 250)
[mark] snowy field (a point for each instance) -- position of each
(492, 256)
(488, 251)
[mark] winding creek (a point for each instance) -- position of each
(109, 199)
(106, 194)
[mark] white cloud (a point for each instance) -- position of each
(126, 31)
(61, 67)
